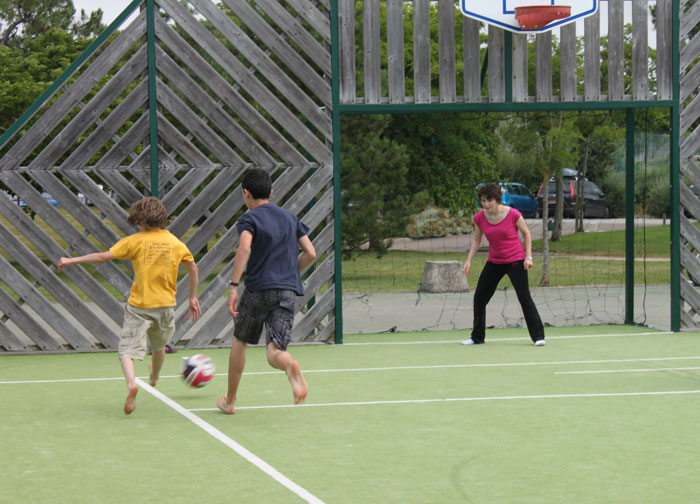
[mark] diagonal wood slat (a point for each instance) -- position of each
(258, 125)
(213, 111)
(106, 131)
(278, 45)
(70, 133)
(199, 128)
(269, 70)
(247, 79)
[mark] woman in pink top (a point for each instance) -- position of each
(501, 224)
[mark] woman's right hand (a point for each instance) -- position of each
(467, 266)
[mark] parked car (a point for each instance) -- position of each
(44, 195)
(50, 199)
(596, 204)
(83, 199)
(518, 196)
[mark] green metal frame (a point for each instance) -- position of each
(629, 218)
(510, 106)
(676, 174)
(337, 207)
(152, 95)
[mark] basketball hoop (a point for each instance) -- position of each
(534, 17)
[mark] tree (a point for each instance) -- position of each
(24, 20)
(449, 154)
(544, 144)
(38, 41)
(25, 75)
(600, 140)
(375, 198)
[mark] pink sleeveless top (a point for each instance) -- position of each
(504, 243)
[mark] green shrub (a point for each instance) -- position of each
(436, 222)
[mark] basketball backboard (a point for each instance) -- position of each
(502, 13)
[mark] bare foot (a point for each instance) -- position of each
(151, 380)
(130, 404)
(223, 405)
(299, 387)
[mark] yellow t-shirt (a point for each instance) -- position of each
(155, 255)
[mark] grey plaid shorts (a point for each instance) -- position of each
(272, 308)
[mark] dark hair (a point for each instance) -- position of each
(490, 192)
(149, 212)
(258, 182)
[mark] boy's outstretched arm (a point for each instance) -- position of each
(96, 258)
(308, 253)
(195, 310)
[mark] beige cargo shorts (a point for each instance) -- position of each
(155, 325)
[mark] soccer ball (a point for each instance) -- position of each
(197, 370)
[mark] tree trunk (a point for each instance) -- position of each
(545, 234)
(580, 202)
(558, 210)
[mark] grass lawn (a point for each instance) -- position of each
(400, 271)
(653, 241)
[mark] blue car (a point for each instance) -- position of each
(518, 196)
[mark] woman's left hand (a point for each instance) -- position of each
(527, 263)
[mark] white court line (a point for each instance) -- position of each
(397, 368)
(243, 452)
(462, 399)
(487, 365)
(646, 370)
(67, 380)
(496, 340)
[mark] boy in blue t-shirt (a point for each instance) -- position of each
(270, 238)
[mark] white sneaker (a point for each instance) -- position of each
(468, 342)
(540, 342)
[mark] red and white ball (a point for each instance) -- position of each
(197, 370)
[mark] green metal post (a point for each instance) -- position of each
(675, 176)
(337, 214)
(629, 218)
(431, 108)
(152, 103)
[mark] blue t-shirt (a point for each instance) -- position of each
(275, 250)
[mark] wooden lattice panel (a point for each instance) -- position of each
(690, 162)
(228, 96)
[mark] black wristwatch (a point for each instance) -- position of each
(233, 284)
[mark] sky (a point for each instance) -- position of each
(112, 8)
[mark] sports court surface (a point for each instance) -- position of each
(601, 414)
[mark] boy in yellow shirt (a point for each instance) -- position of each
(155, 256)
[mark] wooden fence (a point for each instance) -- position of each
(461, 58)
(179, 103)
(183, 100)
